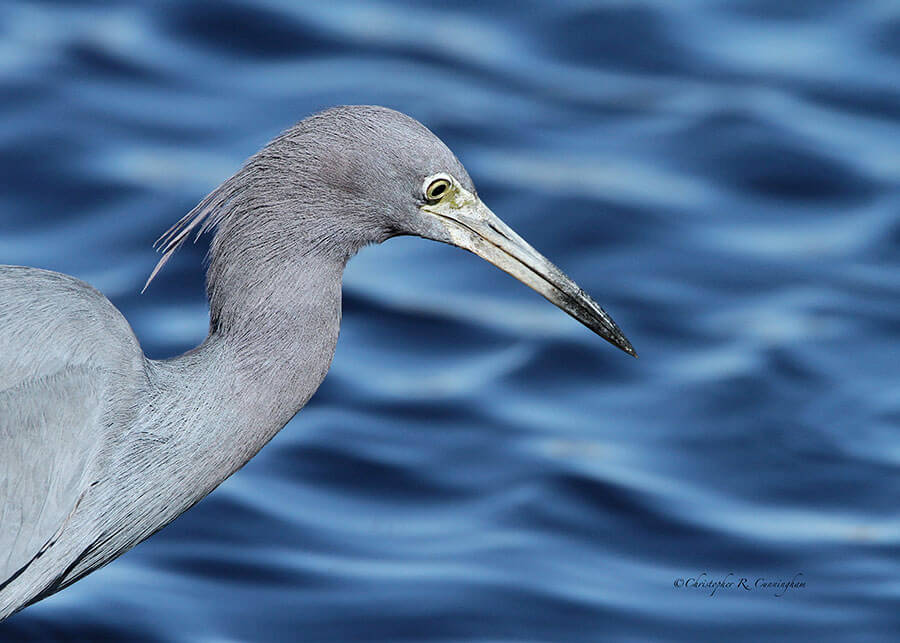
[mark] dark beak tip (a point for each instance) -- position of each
(628, 348)
(621, 342)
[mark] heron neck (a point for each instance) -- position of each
(262, 361)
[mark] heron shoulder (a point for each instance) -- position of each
(50, 322)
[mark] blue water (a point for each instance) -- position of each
(723, 177)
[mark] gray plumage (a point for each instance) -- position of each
(100, 446)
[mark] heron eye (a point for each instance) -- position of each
(436, 190)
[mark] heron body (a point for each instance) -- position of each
(100, 447)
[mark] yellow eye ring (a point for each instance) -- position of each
(436, 190)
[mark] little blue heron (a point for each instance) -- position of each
(100, 447)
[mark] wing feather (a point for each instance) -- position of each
(63, 346)
(48, 433)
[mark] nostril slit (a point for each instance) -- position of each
(499, 231)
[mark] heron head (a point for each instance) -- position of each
(428, 193)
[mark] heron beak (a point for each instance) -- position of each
(472, 226)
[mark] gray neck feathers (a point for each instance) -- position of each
(271, 248)
(274, 281)
(283, 234)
